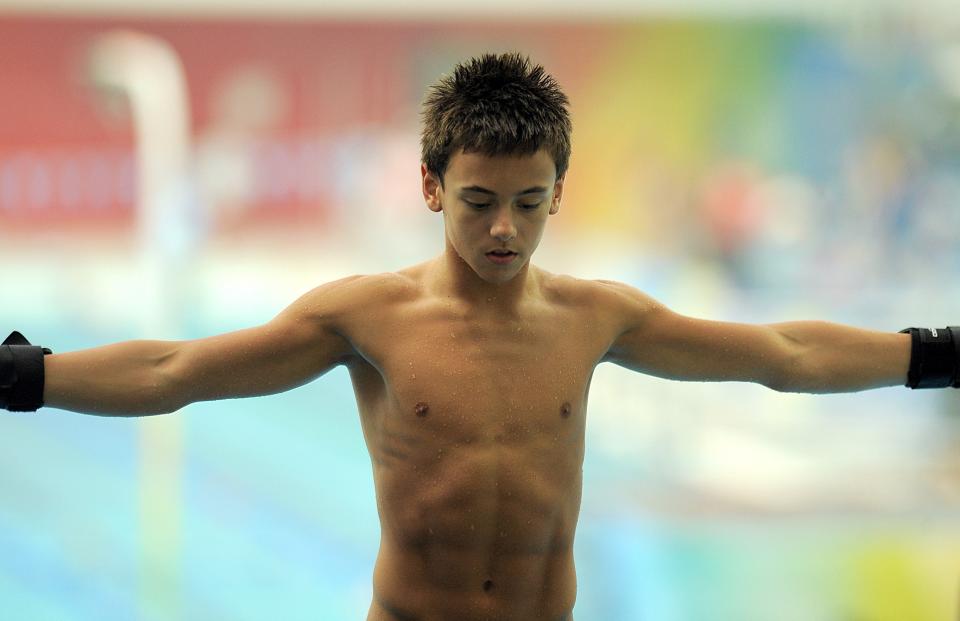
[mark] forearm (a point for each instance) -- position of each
(131, 378)
(828, 358)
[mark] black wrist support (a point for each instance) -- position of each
(934, 357)
(21, 374)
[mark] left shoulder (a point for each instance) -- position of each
(562, 289)
(606, 298)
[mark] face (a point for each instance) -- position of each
(493, 204)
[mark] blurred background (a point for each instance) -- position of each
(175, 170)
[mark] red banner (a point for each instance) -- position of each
(280, 112)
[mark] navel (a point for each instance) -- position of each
(487, 585)
(565, 409)
(421, 409)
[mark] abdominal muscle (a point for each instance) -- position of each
(487, 535)
(403, 593)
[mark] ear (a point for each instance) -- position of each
(557, 194)
(431, 189)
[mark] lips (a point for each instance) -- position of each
(501, 257)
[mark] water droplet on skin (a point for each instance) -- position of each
(414, 376)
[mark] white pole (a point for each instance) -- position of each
(148, 72)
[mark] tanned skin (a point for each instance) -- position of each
(472, 379)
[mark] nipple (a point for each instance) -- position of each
(565, 410)
(421, 409)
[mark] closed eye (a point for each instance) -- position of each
(482, 205)
(477, 205)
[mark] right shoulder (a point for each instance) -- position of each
(337, 302)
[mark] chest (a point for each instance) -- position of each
(463, 380)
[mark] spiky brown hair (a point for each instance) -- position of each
(495, 105)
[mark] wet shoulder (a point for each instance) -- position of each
(356, 299)
(563, 289)
(366, 293)
(608, 302)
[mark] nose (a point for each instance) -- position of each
(503, 228)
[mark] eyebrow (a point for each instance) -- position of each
(476, 188)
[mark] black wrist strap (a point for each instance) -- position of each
(21, 374)
(934, 357)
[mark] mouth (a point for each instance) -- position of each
(502, 257)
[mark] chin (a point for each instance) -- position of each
(499, 277)
(502, 279)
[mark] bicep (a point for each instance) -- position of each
(298, 345)
(658, 341)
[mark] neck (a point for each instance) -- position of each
(455, 278)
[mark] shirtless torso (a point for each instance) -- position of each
(475, 426)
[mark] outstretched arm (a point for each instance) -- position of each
(799, 356)
(144, 377)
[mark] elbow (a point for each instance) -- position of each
(792, 372)
(159, 396)
(801, 373)
(806, 360)
(169, 387)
